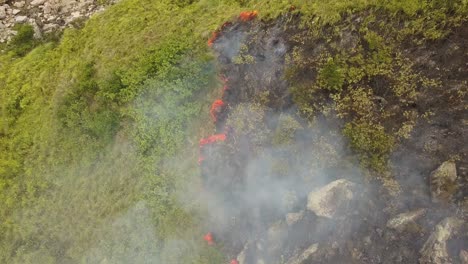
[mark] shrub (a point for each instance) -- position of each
(331, 76)
(24, 40)
(370, 142)
(285, 130)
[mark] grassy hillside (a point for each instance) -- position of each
(102, 125)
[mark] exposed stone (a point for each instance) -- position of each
(37, 2)
(37, 30)
(3, 12)
(275, 236)
(293, 218)
(443, 182)
(48, 8)
(76, 14)
(305, 255)
(51, 18)
(19, 4)
(434, 250)
(45, 15)
(402, 220)
(21, 19)
(242, 257)
(330, 200)
(49, 27)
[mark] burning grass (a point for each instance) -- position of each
(248, 15)
(205, 142)
(216, 108)
(213, 38)
(209, 239)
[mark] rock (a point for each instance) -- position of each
(330, 200)
(464, 256)
(47, 8)
(19, 4)
(3, 12)
(293, 218)
(401, 221)
(241, 258)
(76, 14)
(250, 254)
(15, 11)
(305, 255)
(367, 240)
(51, 18)
(37, 2)
(20, 19)
(37, 30)
(49, 27)
(434, 250)
(443, 182)
(275, 236)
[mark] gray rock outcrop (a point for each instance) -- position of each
(401, 221)
(434, 250)
(443, 182)
(330, 200)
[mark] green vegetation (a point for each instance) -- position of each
(371, 142)
(23, 41)
(349, 66)
(330, 76)
(91, 124)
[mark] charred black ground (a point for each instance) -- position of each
(362, 101)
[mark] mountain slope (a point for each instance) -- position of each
(99, 130)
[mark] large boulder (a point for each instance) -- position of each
(443, 182)
(333, 199)
(401, 221)
(434, 250)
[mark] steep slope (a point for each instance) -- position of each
(99, 130)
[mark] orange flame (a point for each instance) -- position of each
(216, 107)
(212, 139)
(248, 15)
(226, 24)
(217, 33)
(209, 239)
(213, 38)
(209, 140)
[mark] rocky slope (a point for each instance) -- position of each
(44, 15)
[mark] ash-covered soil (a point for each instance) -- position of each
(286, 185)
